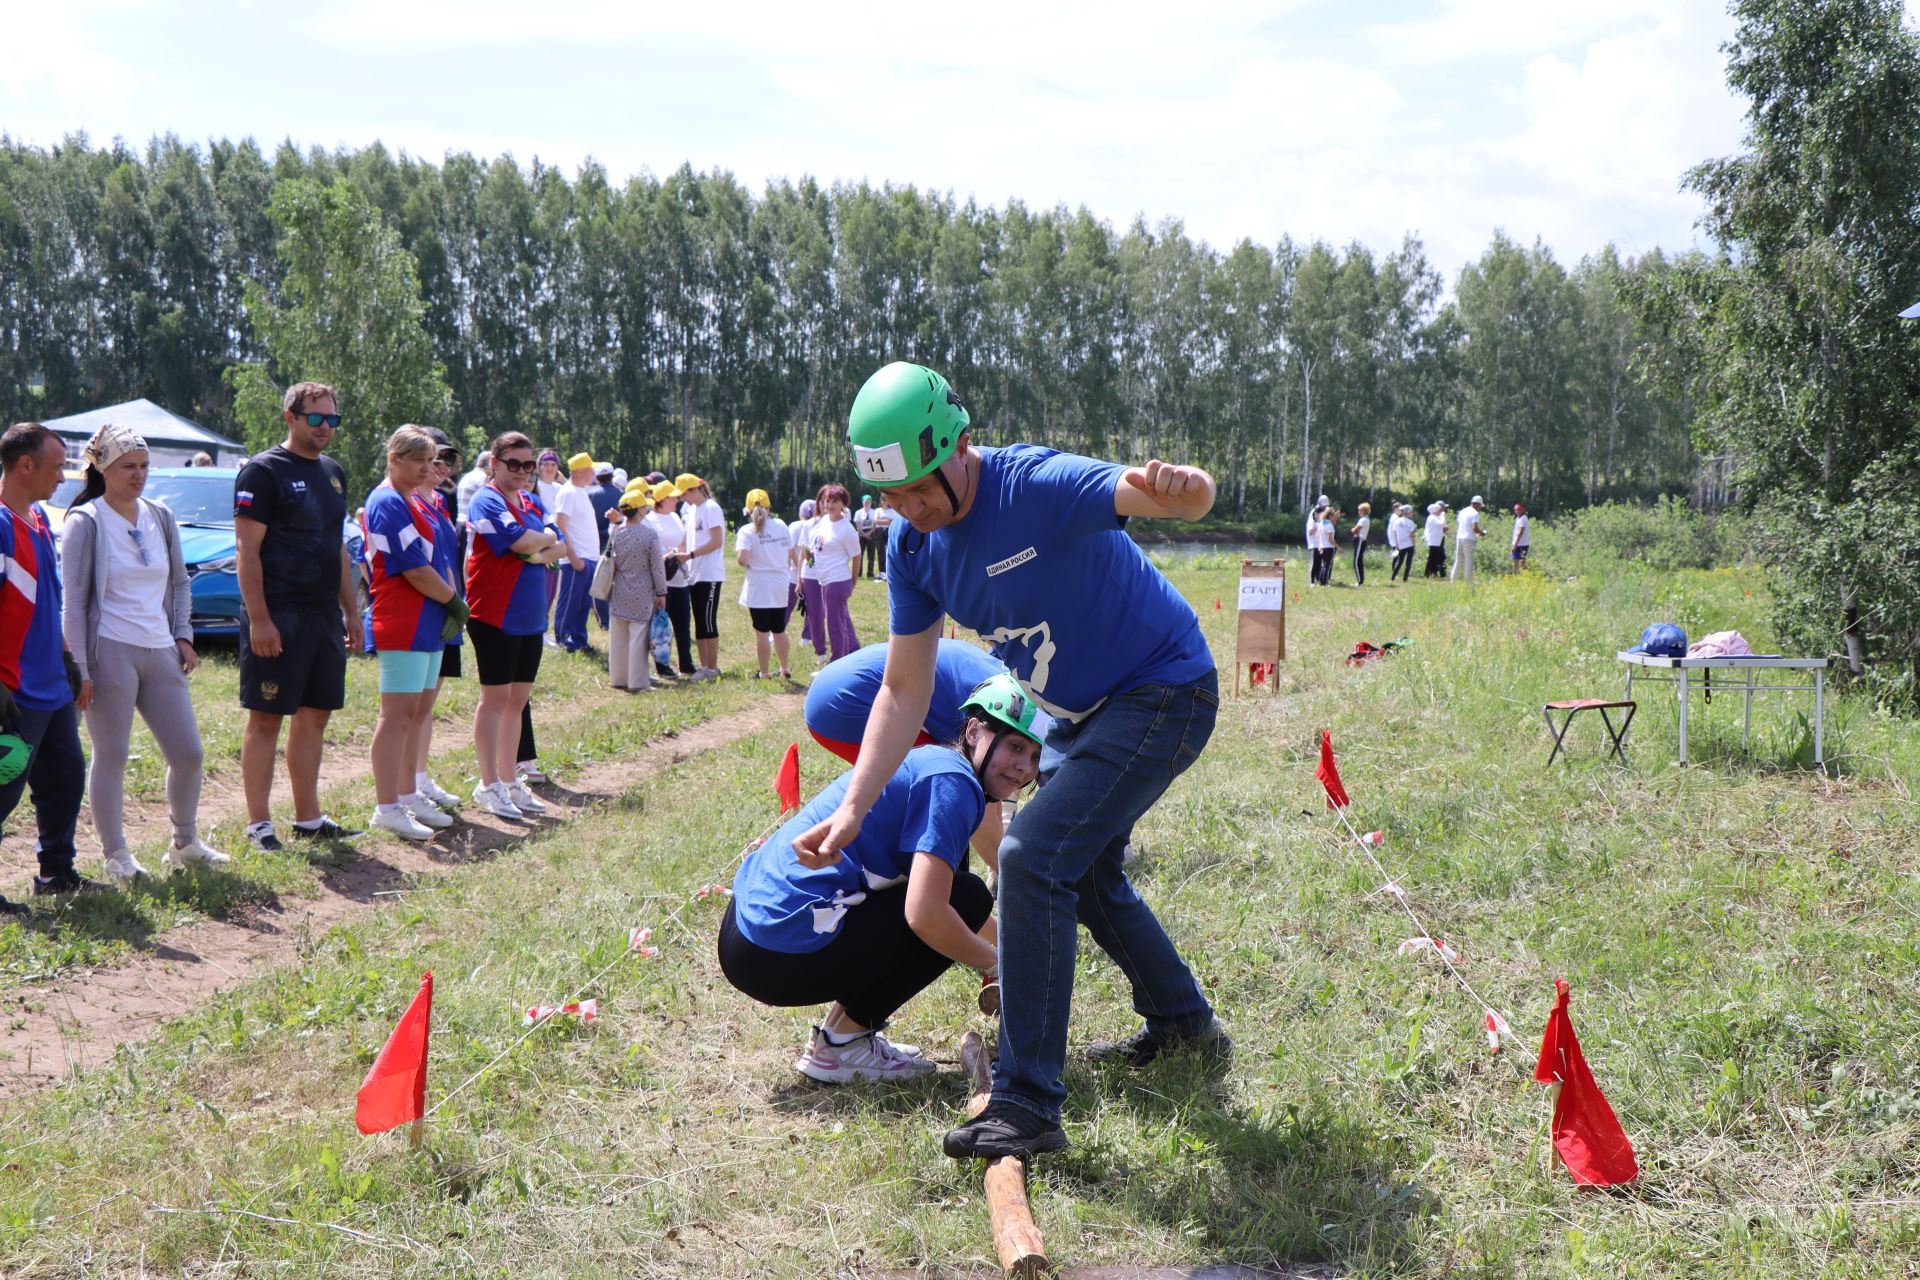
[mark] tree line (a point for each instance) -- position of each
(685, 322)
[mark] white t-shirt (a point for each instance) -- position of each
(673, 537)
(701, 522)
(836, 549)
(865, 518)
(1468, 527)
(549, 495)
(583, 527)
(1520, 530)
(767, 551)
(1360, 528)
(1405, 523)
(801, 530)
(1436, 529)
(133, 606)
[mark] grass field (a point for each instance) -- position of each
(1740, 937)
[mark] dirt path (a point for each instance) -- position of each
(74, 1023)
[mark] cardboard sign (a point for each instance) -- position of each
(1261, 636)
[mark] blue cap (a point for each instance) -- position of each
(1662, 640)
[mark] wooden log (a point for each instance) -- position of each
(1016, 1241)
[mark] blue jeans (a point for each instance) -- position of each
(570, 623)
(1060, 863)
(57, 773)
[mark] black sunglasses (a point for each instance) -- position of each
(520, 464)
(331, 421)
(447, 456)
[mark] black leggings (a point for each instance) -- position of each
(680, 613)
(875, 963)
(1436, 562)
(1402, 565)
(528, 751)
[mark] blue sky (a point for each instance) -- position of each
(1572, 122)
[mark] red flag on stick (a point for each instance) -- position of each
(786, 783)
(1585, 1131)
(1329, 774)
(395, 1090)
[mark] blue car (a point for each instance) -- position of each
(201, 499)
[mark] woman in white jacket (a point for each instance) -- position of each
(764, 548)
(127, 617)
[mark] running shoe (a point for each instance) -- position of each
(262, 836)
(122, 867)
(438, 794)
(194, 854)
(495, 800)
(523, 799)
(1004, 1129)
(867, 1057)
(401, 823)
(1143, 1046)
(326, 829)
(530, 771)
(427, 813)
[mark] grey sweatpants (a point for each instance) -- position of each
(127, 678)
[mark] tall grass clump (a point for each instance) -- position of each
(1663, 537)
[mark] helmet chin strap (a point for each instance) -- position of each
(952, 497)
(980, 765)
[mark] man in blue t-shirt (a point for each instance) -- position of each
(1028, 547)
(38, 683)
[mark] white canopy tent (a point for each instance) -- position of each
(171, 439)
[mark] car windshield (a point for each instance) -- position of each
(67, 494)
(194, 499)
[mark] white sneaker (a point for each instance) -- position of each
(494, 800)
(523, 799)
(122, 866)
(702, 674)
(194, 854)
(868, 1057)
(401, 823)
(428, 814)
(438, 794)
(530, 771)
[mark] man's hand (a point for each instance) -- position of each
(1177, 491)
(356, 636)
(457, 615)
(263, 638)
(821, 846)
(578, 565)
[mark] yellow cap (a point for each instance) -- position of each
(634, 499)
(638, 485)
(580, 462)
(665, 489)
(687, 480)
(758, 498)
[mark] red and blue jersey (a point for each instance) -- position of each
(502, 589)
(401, 536)
(30, 645)
(445, 535)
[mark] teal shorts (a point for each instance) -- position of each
(406, 671)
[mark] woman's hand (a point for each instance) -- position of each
(821, 846)
(188, 658)
(84, 698)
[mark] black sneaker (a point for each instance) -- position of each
(263, 838)
(8, 907)
(1004, 1129)
(327, 830)
(1143, 1046)
(67, 882)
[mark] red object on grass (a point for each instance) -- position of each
(1329, 774)
(1216, 604)
(786, 783)
(1586, 1133)
(395, 1090)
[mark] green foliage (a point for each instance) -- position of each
(348, 312)
(1663, 537)
(685, 322)
(1805, 378)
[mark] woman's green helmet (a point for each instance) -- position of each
(905, 422)
(1001, 700)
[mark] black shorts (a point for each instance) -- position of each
(772, 622)
(706, 610)
(1520, 552)
(501, 658)
(450, 662)
(309, 671)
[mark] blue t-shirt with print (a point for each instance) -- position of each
(840, 698)
(932, 804)
(1042, 568)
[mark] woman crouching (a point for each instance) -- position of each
(894, 909)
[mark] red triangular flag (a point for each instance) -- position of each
(1585, 1131)
(1216, 604)
(786, 783)
(1329, 775)
(395, 1090)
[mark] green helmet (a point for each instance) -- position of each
(1001, 700)
(904, 423)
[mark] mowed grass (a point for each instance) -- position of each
(578, 721)
(1739, 936)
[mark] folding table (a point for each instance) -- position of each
(1749, 666)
